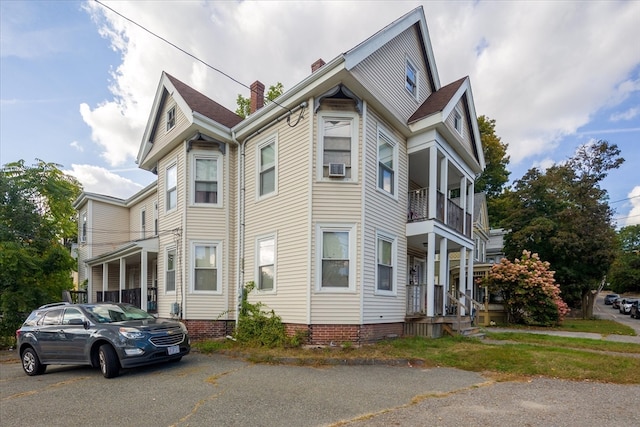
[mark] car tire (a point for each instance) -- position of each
(31, 363)
(109, 363)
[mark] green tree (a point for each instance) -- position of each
(528, 289)
(37, 226)
(563, 215)
(624, 274)
(244, 104)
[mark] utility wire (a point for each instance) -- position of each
(187, 53)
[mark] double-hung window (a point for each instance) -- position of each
(206, 267)
(171, 184)
(338, 147)
(267, 167)
(336, 257)
(387, 163)
(155, 218)
(143, 223)
(385, 260)
(457, 120)
(171, 118)
(411, 78)
(170, 271)
(266, 256)
(206, 179)
(83, 233)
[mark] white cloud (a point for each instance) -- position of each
(544, 164)
(540, 69)
(77, 146)
(633, 217)
(95, 179)
(625, 115)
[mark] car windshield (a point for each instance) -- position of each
(107, 313)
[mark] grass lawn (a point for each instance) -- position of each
(505, 356)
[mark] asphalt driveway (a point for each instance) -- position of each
(217, 390)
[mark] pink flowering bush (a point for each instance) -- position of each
(530, 293)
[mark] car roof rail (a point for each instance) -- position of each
(54, 304)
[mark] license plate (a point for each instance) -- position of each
(174, 349)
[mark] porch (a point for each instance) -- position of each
(131, 296)
(447, 213)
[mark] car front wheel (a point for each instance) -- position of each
(31, 363)
(109, 364)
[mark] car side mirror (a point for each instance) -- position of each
(76, 321)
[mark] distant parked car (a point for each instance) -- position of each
(616, 303)
(625, 305)
(608, 300)
(635, 309)
(105, 335)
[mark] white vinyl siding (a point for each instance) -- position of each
(384, 73)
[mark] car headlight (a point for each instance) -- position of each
(131, 333)
(183, 327)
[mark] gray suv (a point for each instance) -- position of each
(106, 335)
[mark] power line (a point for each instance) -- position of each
(188, 53)
(622, 200)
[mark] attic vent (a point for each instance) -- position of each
(336, 170)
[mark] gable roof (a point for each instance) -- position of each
(437, 101)
(204, 105)
(195, 105)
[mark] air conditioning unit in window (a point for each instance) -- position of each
(336, 170)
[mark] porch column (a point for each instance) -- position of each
(105, 279)
(143, 280)
(123, 278)
(462, 282)
(469, 209)
(444, 271)
(444, 186)
(433, 182)
(431, 273)
(470, 274)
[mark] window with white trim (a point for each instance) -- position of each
(385, 261)
(266, 257)
(171, 118)
(206, 269)
(171, 185)
(336, 249)
(411, 78)
(207, 173)
(338, 147)
(143, 223)
(155, 218)
(457, 120)
(267, 167)
(170, 270)
(387, 162)
(83, 233)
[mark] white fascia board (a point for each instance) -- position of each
(212, 128)
(145, 192)
(290, 99)
(145, 145)
(85, 197)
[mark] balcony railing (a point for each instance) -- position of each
(418, 210)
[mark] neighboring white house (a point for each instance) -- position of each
(334, 200)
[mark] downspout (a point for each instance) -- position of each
(241, 200)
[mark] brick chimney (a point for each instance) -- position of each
(257, 97)
(316, 65)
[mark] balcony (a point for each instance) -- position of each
(418, 210)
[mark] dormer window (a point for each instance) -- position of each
(457, 121)
(411, 78)
(171, 118)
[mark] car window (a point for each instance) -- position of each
(33, 318)
(107, 313)
(71, 313)
(51, 317)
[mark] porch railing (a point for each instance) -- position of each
(131, 296)
(417, 299)
(418, 210)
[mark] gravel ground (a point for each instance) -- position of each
(539, 402)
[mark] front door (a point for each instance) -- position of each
(417, 279)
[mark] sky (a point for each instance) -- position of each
(77, 80)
